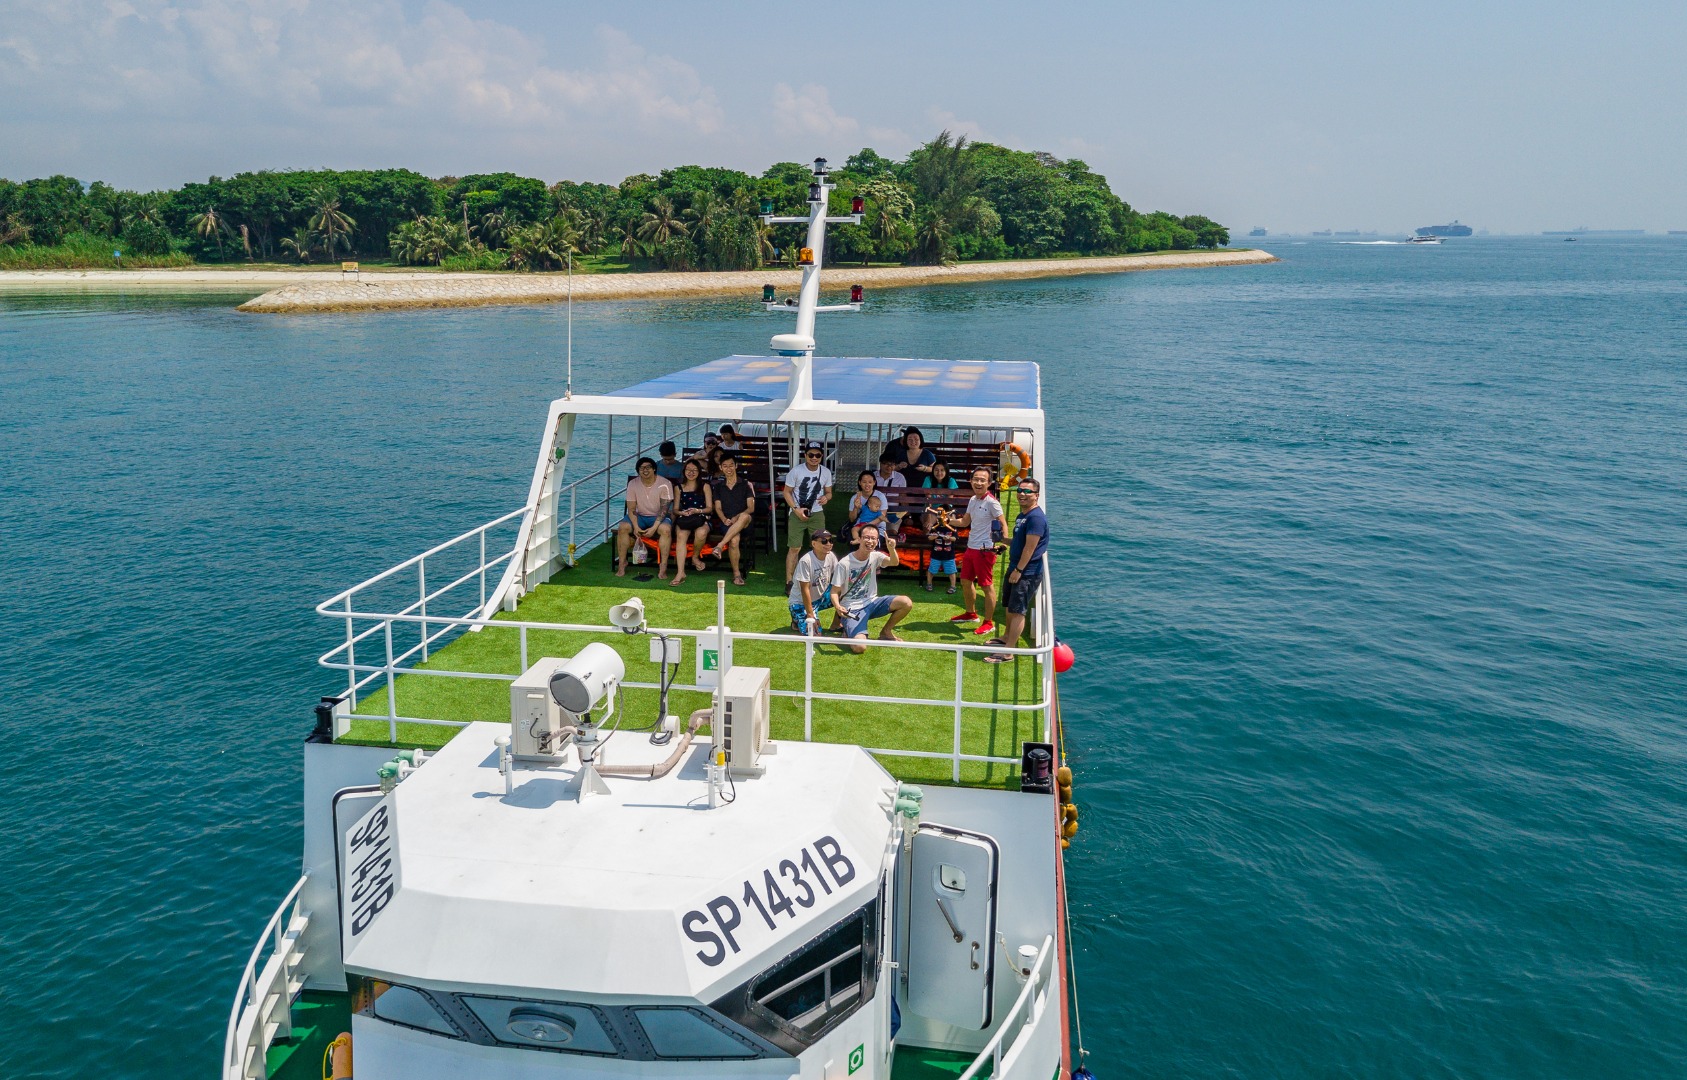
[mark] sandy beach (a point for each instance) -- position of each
(327, 289)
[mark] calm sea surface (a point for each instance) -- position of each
(1375, 562)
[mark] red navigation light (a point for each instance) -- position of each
(857, 205)
(855, 294)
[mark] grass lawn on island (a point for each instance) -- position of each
(586, 593)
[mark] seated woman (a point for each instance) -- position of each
(694, 508)
(911, 457)
(940, 477)
(708, 457)
(866, 507)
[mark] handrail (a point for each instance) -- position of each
(992, 1049)
(248, 978)
(344, 594)
(433, 627)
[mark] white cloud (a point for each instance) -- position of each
(297, 74)
(809, 111)
(948, 121)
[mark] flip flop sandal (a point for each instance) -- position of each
(997, 658)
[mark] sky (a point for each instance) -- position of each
(1293, 117)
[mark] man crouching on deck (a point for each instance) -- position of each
(855, 589)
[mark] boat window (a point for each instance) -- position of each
(818, 985)
(411, 1008)
(687, 1033)
(546, 1025)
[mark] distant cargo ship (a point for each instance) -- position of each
(1257, 231)
(1585, 231)
(1455, 229)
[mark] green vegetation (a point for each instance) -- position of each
(585, 594)
(948, 200)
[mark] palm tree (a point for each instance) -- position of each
(594, 228)
(146, 209)
(705, 208)
(891, 210)
(660, 223)
(209, 226)
(932, 240)
(299, 244)
(631, 246)
(13, 230)
(495, 228)
(330, 222)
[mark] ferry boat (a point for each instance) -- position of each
(532, 848)
(1422, 239)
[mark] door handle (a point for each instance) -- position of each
(974, 956)
(950, 919)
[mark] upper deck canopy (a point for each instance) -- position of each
(856, 380)
(845, 388)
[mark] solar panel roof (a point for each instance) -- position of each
(857, 380)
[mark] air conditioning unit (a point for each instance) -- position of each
(742, 720)
(536, 722)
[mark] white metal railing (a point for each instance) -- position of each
(1021, 1020)
(263, 1001)
(430, 627)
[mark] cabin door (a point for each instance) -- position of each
(952, 925)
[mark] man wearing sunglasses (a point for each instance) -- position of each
(1025, 564)
(808, 487)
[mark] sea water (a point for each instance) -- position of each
(1374, 560)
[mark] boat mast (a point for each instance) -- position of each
(799, 345)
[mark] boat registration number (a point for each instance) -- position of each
(777, 897)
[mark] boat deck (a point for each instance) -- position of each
(584, 594)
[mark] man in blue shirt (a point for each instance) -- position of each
(1025, 563)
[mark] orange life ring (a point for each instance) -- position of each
(1009, 451)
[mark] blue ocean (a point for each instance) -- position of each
(1374, 560)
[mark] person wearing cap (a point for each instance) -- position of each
(855, 590)
(1025, 565)
(808, 487)
(811, 584)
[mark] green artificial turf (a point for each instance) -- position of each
(585, 594)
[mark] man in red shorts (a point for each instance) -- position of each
(978, 561)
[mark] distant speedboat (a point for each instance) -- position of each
(1424, 240)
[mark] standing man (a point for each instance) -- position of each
(1025, 563)
(808, 487)
(978, 561)
(855, 590)
(735, 502)
(650, 503)
(811, 589)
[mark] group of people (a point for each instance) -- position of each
(681, 504)
(819, 579)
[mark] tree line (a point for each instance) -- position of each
(948, 200)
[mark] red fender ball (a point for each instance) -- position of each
(1064, 658)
